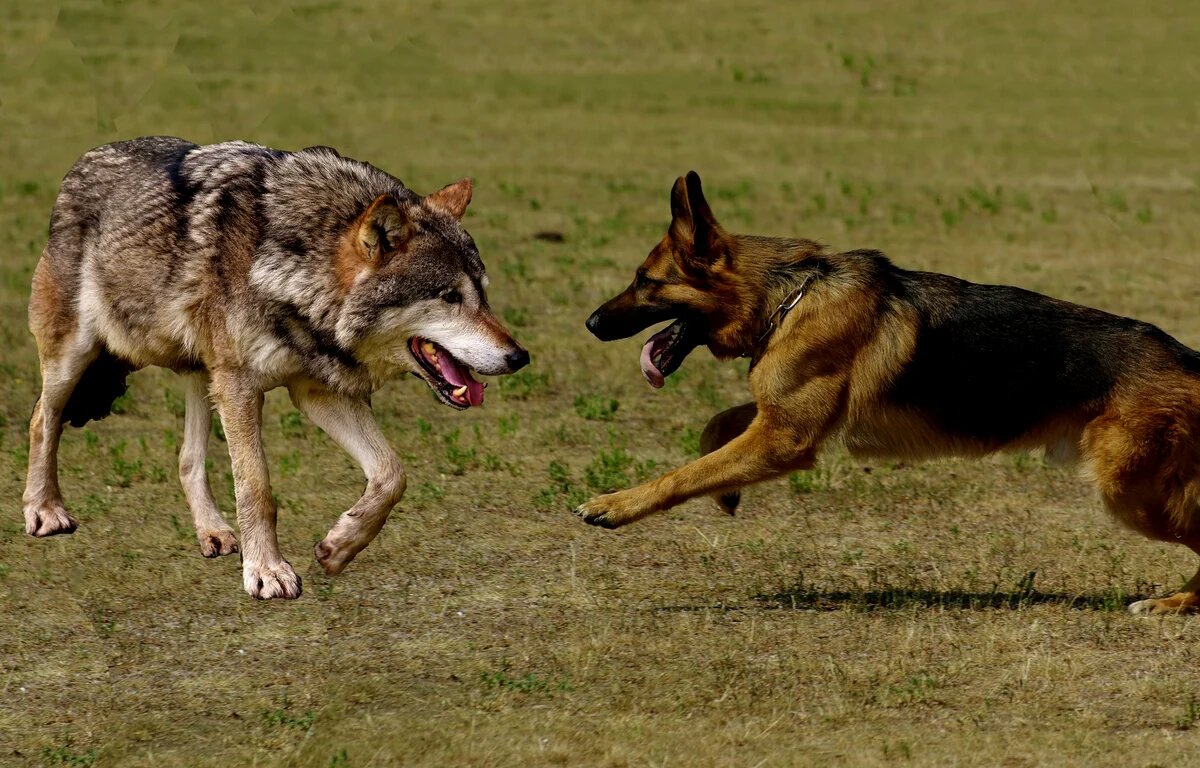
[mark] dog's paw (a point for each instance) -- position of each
(612, 510)
(728, 502)
(1178, 603)
(217, 542)
(334, 556)
(264, 582)
(1143, 607)
(48, 520)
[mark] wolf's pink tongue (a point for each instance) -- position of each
(649, 350)
(458, 376)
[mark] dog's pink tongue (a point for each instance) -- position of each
(458, 376)
(652, 346)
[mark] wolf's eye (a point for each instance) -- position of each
(643, 281)
(452, 297)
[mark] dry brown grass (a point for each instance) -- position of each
(863, 615)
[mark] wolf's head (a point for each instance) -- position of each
(693, 277)
(416, 295)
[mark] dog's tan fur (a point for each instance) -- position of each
(830, 371)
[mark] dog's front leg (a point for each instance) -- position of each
(350, 423)
(265, 574)
(761, 452)
(720, 429)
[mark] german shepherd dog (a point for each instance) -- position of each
(247, 268)
(897, 363)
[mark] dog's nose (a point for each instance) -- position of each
(593, 323)
(517, 359)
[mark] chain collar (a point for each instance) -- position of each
(777, 317)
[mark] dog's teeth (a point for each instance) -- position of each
(460, 391)
(428, 348)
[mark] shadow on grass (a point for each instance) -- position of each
(896, 598)
(1023, 595)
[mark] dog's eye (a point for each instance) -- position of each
(452, 297)
(643, 281)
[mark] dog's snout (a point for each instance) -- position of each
(517, 359)
(593, 323)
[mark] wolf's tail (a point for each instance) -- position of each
(101, 384)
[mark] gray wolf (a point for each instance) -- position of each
(244, 269)
(897, 363)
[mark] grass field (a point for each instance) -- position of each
(952, 613)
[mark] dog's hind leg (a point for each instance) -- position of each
(720, 429)
(214, 534)
(1186, 600)
(350, 423)
(1144, 461)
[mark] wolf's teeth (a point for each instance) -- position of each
(460, 391)
(427, 347)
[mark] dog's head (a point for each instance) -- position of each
(416, 295)
(689, 277)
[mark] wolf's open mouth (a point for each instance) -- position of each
(664, 351)
(450, 380)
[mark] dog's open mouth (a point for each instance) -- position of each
(663, 353)
(449, 379)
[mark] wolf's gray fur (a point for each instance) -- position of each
(252, 268)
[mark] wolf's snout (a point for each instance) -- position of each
(517, 359)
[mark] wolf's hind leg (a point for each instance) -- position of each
(722, 428)
(214, 534)
(350, 423)
(63, 363)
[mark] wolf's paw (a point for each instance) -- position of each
(43, 520)
(217, 542)
(264, 582)
(334, 556)
(1180, 602)
(612, 510)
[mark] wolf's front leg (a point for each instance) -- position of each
(350, 423)
(760, 453)
(265, 574)
(214, 534)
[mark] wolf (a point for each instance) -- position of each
(244, 269)
(905, 364)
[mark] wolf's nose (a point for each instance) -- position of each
(593, 323)
(517, 359)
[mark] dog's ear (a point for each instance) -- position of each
(382, 229)
(693, 226)
(452, 198)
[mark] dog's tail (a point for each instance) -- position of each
(101, 384)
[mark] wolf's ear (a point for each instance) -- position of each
(452, 198)
(382, 229)
(693, 224)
